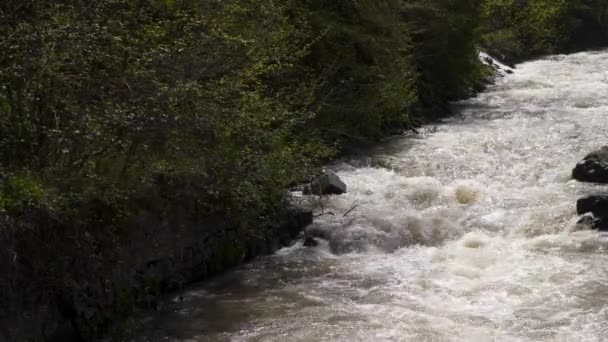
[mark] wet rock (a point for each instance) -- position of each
(326, 184)
(310, 241)
(595, 204)
(594, 168)
(587, 220)
(594, 209)
(591, 222)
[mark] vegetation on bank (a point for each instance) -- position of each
(516, 30)
(102, 100)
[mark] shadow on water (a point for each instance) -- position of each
(232, 301)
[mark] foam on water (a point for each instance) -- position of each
(466, 235)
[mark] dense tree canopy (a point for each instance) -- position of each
(101, 96)
(521, 29)
(100, 99)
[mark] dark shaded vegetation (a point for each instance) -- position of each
(103, 102)
(516, 30)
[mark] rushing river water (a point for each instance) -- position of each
(466, 233)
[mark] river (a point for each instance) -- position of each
(466, 232)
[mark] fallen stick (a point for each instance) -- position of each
(351, 209)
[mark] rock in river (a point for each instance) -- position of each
(326, 184)
(594, 168)
(597, 206)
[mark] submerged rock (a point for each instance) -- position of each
(326, 184)
(594, 209)
(594, 168)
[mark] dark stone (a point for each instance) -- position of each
(327, 184)
(592, 222)
(595, 211)
(309, 241)
(595, 204)
(509, 71)
(594, 168)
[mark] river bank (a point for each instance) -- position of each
(467, 233)
(144, 144)
(165, 246)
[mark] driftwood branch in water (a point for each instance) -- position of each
(351, 209)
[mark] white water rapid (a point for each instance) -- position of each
(466, 233)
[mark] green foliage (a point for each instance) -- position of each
(384, 64)
(98, 99)
(445, 37)
(101, 101)
(517, 30)
(588, 24)
(106, 95)
(365, 61)
(222, 102)
(21, 189)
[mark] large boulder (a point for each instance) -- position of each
(326, 184)
(594, 168)
(595, 204)
(595, 211)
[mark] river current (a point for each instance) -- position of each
(466, 232)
